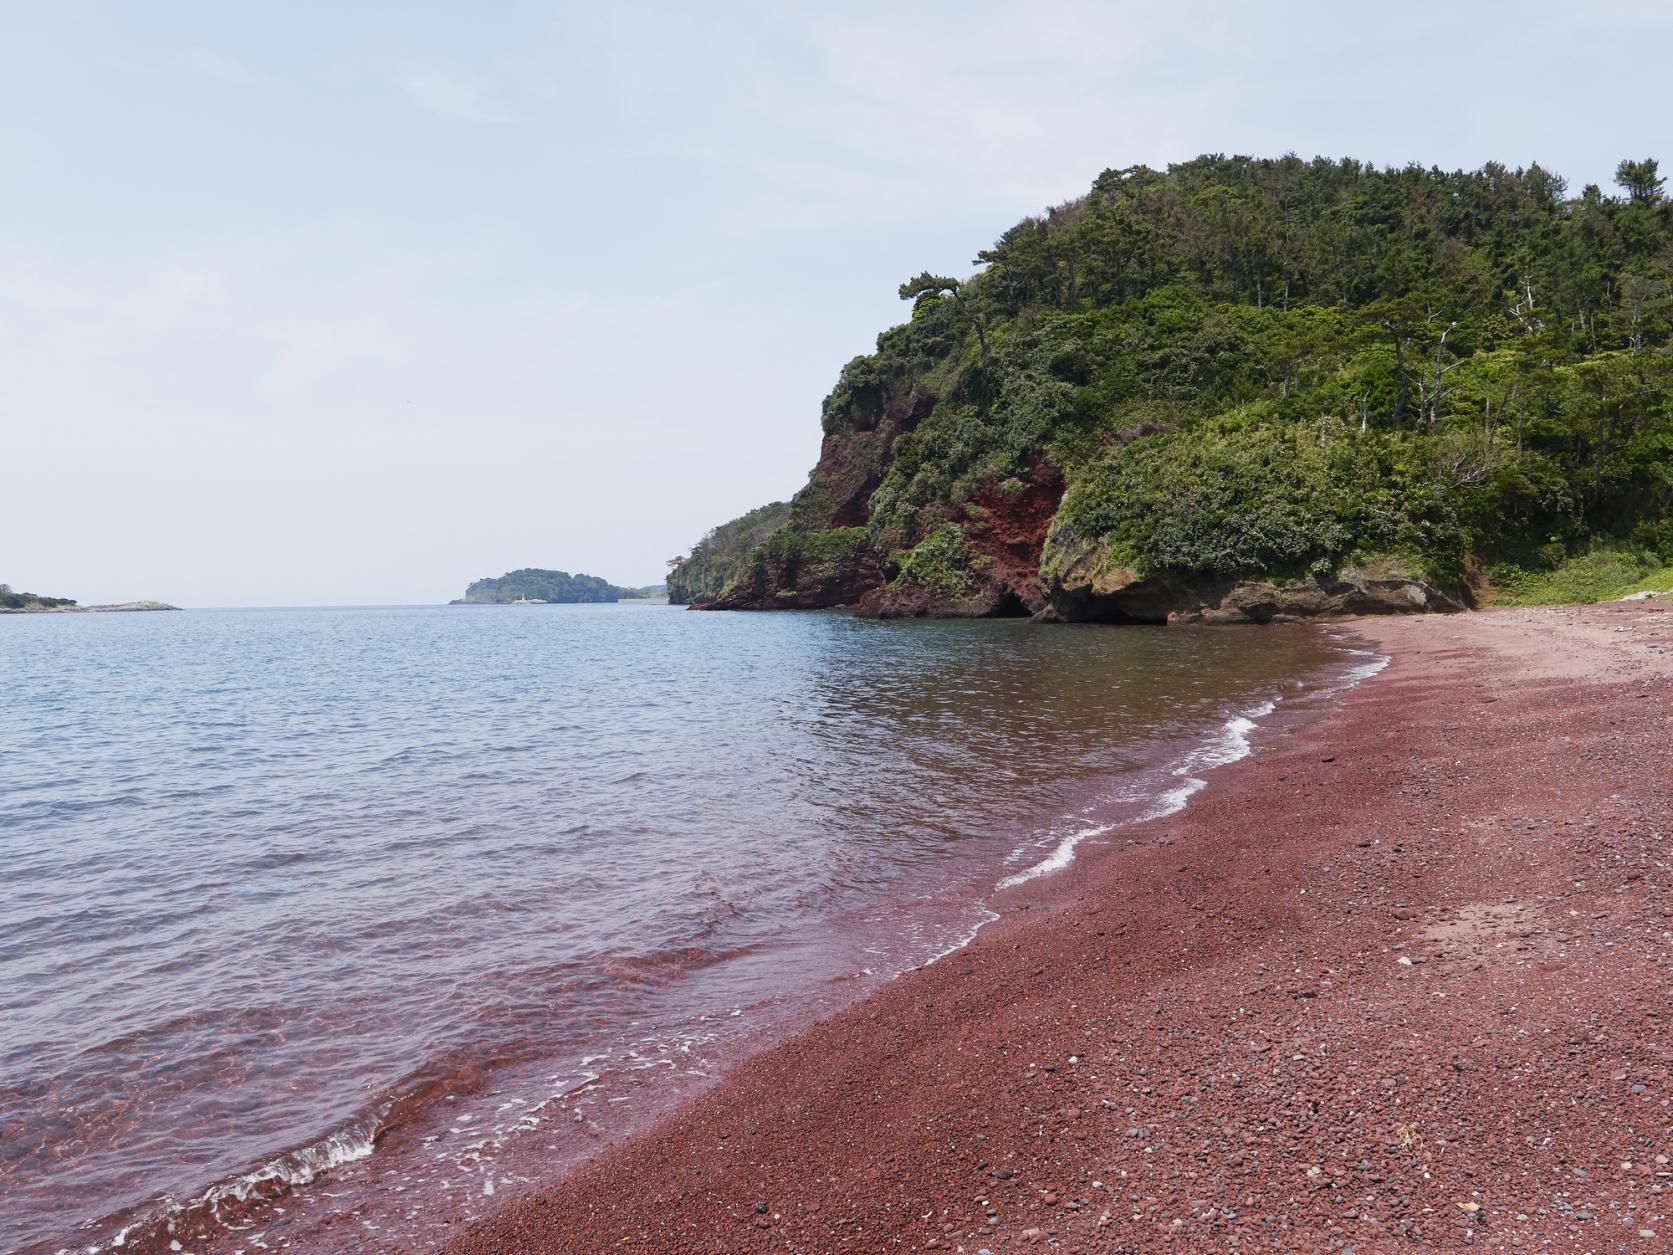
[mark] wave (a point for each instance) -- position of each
(1359, 672)
(236, 1202)
(228, 1204)
(1229, 743)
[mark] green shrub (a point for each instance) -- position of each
(1230, 500)
(941, 562)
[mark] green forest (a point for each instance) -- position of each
(704, 574)
(1273, 367)
(536, 584)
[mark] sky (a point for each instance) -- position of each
(352, 303)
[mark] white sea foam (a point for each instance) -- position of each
(300, 1167)
(278, 1176)
(988, 916)
(1228, 745)
(1374, 662)
(1061, 856)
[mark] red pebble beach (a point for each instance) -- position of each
(1403, 978)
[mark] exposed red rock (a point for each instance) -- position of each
(1007, 530)
(852, 464)
(1399, 981)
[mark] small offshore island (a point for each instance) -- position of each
(34, 603)
(536, 586)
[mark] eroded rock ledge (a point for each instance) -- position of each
(1083, 585)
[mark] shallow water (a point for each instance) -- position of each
(488, 886)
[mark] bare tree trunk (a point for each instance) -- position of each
(1435, 396)
(1403, 389)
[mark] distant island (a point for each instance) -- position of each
(34, 603)
(534, 585)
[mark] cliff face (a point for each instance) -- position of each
(804, 572)
(1002, 550)
(996, 570)
(1242, 390)
(981, 557)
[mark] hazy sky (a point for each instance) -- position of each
(323, 303)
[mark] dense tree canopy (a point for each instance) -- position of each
(1244, 365)
(535, 584)
(702, 574)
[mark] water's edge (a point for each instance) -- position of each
(240, 1209)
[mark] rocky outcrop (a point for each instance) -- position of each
(804, 571)
(116, 608)
(1085, 584)
(995, 548)
(1004, 529)
(715, 561)
(1004, 556)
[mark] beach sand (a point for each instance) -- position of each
(1402, 978)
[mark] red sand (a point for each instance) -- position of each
(1212, 1040)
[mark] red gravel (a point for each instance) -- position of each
(1210, 1040)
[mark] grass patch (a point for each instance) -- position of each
(1603, 574)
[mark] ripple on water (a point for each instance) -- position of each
(447, 898)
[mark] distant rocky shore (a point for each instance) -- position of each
(73, 609)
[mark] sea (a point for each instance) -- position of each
(331, 929)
